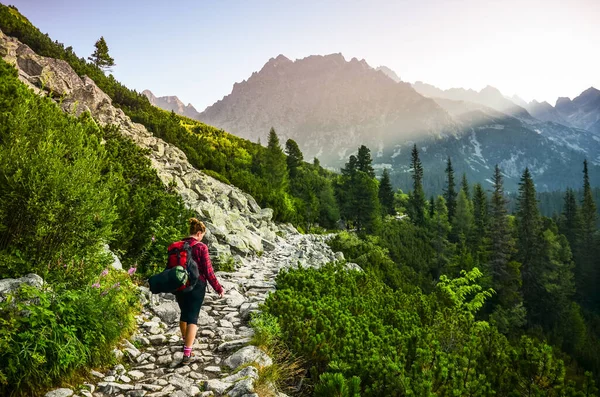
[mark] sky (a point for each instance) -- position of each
(197, 49)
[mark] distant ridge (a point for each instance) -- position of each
(172, 103)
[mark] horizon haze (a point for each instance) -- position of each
(535, 49)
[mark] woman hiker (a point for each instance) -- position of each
(190, 302)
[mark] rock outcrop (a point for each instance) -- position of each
(237, 226)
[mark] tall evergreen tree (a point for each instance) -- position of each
(366, 211)
(100, 56)
(416, 199)
(528, 222)
(431, 207)
(450, 190)
(570, 223)
(587, 271)
(351, 166)
(463, 221)
(441, 244)
(386, 194)
(365, 162)
(464, 185)
(275, 169)
(480, 218)
(505, 273)
(530, 245)
(294, 157)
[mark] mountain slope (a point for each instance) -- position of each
(329, 106)
(554, 153)
(172, 103)
(546, 112)
(489, 96)
(583, 111)
(389, 73)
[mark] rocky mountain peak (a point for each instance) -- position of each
(587, 96)
(172, 103)
(563, 101)
(328, 105)
(388, 72)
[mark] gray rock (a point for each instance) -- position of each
(216, 386)
(204, 319)
(59, 393)
(241, 388)
(232, 345)
(234, 298)
(268, 245)
(116, 263)
(136, 375)
(8, 285)
(247, 355)
(248, 372)
(157, 339)
(167, 311)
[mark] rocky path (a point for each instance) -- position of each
(152, 357)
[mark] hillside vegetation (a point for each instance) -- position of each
(455, 297)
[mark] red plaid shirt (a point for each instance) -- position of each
(200, 255)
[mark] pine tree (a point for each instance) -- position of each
(588, 206)
(449, 191)
(100, 56)
(480, 220)
(365, 162)
(351, 166)
(386, 194)
(441, 244)
(530, 245)
(463, 221)
(275, 169)
(571, 223)
(294, 157)
(464, 185)
(431, 207)
(587, 271)
(417, 196)
(366, 211)
(528, 224)
(504, 272)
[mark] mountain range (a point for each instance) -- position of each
(330, 106)
(172, 103)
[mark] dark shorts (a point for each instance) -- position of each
(190, 303)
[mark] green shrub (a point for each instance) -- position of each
(267, 332)
(402, 343)
(56, 196)
(224, 263)
(63, 330)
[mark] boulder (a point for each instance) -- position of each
(216, 386)
(246, 355)
(234, 298)
(167, 311)
(63, 392)
(8, 285)
(242, 388)
(238, 200)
